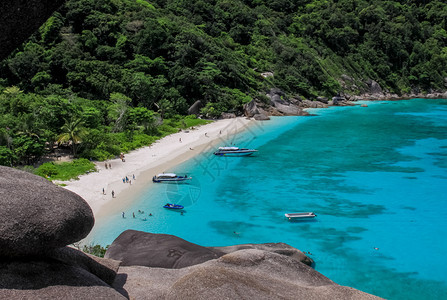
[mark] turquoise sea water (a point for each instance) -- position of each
(376, 177)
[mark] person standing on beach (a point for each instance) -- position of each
(106, 166)
(123, 214)
(103, 191)
(113, 194)
(110, 165)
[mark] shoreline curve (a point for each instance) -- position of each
(161, 156)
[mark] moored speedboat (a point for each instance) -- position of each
(234, 151)
(300, 216)
(169, 177)
(173, 206)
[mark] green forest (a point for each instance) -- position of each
(107, 76)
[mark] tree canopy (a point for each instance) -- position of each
(124, 65)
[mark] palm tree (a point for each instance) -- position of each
(72, 132)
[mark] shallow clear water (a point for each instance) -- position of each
(375, 176)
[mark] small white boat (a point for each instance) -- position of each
(234, 151)
(300, 216)
(169, 177)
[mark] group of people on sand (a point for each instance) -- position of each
(104, 192)
(133, 214)
(108, 166)
(127, 180)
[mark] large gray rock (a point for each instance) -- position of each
(283, 106)
(21, 18)
(227, 115)
(251, 108)
(374, 87)
(50, 279)
(261, 117)
(195, 108)
(345, 77)
(103, 268)
(288, 109)
(37, 215)
(279, 248)
(244, 274)
(277, 96)
(137, 248)
(323, 99)
(313, 104)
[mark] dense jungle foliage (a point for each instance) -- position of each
(107, 76)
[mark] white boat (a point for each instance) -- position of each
(300, 216)
(169, 177)
(234, 151)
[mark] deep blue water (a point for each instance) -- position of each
(376, 177)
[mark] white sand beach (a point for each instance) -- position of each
(146, 162)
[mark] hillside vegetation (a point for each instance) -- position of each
(106, 76)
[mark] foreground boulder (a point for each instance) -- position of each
(279, 248)
(104, 269)
(160, 266)
(137, 248)
(51, 279)
(38, 216)
(244, 274)
(38, 220)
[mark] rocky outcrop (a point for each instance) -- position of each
(22, 18)
(279, 105)
(392, 96)
(51, 279)
(253, 110)
(279, 248)
(195, 108)
(38, 220)
(137, 248)
(267, 74)
(261, 117)
(38, 216)
(313, 104)
(228, 116)
(243, 274)
(283, 105)
(249, 271)
(371, 90)
(104, 269)
(374, 87)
